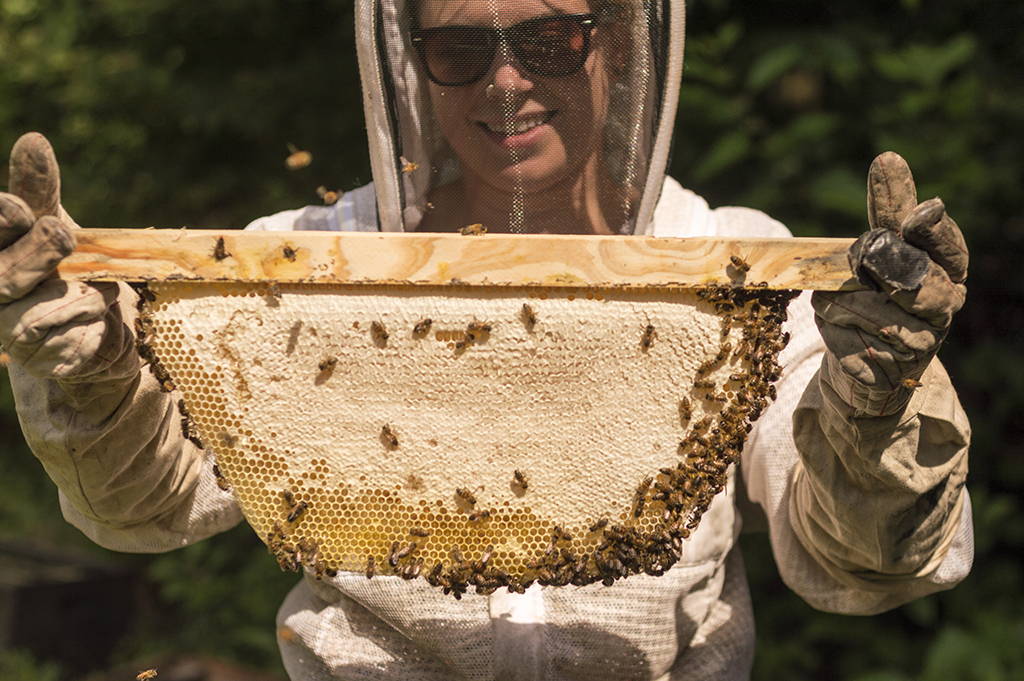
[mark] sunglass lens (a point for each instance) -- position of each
(553, 47)
(457, 55)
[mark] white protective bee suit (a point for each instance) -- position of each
(866, 507)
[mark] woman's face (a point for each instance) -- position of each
(555, 122)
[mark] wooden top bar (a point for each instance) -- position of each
(433, 259)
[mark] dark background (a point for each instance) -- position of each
(168, 113)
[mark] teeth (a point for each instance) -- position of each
(518, 127)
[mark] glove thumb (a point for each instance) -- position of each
(35, 175)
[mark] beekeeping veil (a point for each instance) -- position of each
(452, 88)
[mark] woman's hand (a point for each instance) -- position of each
(914, 258)
(50, 327)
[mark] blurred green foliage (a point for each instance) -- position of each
(165, 113)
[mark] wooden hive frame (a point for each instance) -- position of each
(446, 259)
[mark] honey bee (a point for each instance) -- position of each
(599, 525)
(146, 675)
(408, 166)
(329, 196)
(398, 554)
(371, 567)
(465, 495)
(476, 330)
(388, 437)
(473, 230)
(289, 497)
(219, 252)
(419, 532)
(379, 333)
(702, 425)
(457, 556)
(520, 479)
(422, 327)
(297, 511)
(297, 159)
(289, 253)
(739, 263)
(327, 364)
(274, 293)
(909, 383)
(647, 340)
(480, 515)
(222, 482)
(529, 317)
(486, 557)
(227, 439)
(685, 410)
(704, 384)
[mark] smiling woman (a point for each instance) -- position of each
(531, 116)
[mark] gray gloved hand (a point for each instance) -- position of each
(54, 329)
(914, 258)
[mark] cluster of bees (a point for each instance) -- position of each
(292, 555)
(475, 332)
(143, 336)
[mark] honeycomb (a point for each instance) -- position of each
(473, 437)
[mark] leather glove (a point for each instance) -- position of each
(914, 261)
(54, 329)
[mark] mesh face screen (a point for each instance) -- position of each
(469, 436)
(521, 115)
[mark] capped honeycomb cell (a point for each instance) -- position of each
(578, 441)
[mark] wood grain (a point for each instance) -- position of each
(446, 259)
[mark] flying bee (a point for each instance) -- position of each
(408, 166)
(473, 230)
(465, 495)
(476, 330)
(419, 532)
(647, 340)
(327, 364)
(379, 333)
(146, 675)
(520, 479)
(910, 383)
(297, 511)
(529, 317)
(422, 327)
(329, 197)
(297, 159)
(289, 253)
(219, 252)
(739, 263)
(371, 567)
(389, 437)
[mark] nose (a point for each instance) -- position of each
(509, 76)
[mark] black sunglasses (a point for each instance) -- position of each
(556, 45)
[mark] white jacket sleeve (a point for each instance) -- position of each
(127, 477)
(864, 514)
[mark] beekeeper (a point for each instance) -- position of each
(541, 116)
